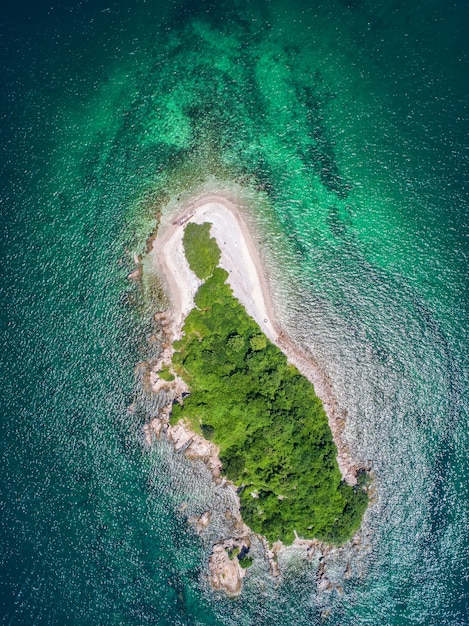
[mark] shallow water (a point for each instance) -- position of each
(347, 126)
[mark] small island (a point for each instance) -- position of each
(240, 389)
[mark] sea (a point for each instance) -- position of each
(344, 126)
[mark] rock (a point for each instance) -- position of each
(274, 568)
(322, 581)
(225, 574)
(136, 274)
(202, 522)
(156, 426)
(324, 584)
(195, 447)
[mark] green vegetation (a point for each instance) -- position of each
(233, 553)
(202, 251)
(245, 561)
(165, 374)
(272, 430)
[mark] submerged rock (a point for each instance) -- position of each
(201, 522)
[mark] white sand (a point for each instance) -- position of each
(248, 281)
(239, 258)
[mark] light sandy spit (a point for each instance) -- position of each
(248, 280)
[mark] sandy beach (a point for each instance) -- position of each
(248, 280)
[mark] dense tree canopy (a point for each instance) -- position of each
(202, 251)
(272, 430)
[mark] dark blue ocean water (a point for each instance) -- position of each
(348, 125)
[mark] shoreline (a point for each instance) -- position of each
(248, 280)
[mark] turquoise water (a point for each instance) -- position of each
(346, 124)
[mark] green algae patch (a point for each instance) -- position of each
(273, 433)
